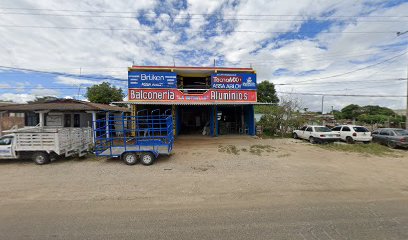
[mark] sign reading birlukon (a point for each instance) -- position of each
(152, 80)
(233, 81)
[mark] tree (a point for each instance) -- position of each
(104, 93)
(267, 93)
(350, 111)
(43, 99)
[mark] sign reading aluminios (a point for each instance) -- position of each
(152, 80)
(233, 81)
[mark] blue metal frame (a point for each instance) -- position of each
(141, 133)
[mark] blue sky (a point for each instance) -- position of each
(87, 42)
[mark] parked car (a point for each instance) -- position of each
(353, 133)
(392, 137)
(316, 134)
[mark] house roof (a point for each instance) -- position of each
(62, 105)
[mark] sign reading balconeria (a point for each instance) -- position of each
(212, 95)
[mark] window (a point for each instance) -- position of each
(322, 129)
(5, 141)
(360, 129)
(385, 132)
(303, 128)
(400, 132)
(32, 119)
(345, 129)
(77, 121)
(67, 120)
(309, 129)
(336, 129)
(375, 132)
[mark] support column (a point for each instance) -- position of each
(107, 124)
(93, 125)
(42, 118)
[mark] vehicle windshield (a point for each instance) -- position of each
(322, 129)
(401, 132)
(360, 129)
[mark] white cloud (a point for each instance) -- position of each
(17, 98)
(74, 81)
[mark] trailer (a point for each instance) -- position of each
(142, 137)
(45, 144)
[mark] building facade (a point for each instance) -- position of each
(202, 100)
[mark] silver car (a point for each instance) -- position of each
(392, 137)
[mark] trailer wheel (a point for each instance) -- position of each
(147, 158)
(130, 158)
(41, 158)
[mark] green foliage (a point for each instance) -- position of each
(104, 93)
(368, 114)
(43, 99)
(266, 92)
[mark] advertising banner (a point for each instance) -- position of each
(212, 95)
(233, 81)
(152, 80)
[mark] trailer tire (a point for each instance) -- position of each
(147, 158)
(41, 158)
(130, 158)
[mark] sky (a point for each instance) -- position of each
(332, 47)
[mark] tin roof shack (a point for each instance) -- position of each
(61, 113)
(203, 100)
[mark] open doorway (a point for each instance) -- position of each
(193, 119)
(231, 120)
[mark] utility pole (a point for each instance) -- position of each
(406, 109)
(322, 103)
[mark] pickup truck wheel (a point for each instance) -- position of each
(350, 140)
(41, 158)
(130, 158)
(147, 158)
(312, 140)
(295, 136)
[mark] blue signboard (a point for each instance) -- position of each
(233, 81)
(152, 80)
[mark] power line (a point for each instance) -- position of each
(355, 70)
(191, 18)
(358, 81)
(180, 29)
(344, 95)
(198, 14)
(100, 78)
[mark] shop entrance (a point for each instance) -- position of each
(194, 120)
(231, 120)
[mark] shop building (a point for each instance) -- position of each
(202, 100)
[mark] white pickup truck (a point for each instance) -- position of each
(44, 144)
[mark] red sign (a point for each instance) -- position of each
(212, 95)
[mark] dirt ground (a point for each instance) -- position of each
(214, 171)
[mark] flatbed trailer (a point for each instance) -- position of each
(132, 138)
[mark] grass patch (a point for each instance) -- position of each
(369, 149)
(230, 149)
(259, 149)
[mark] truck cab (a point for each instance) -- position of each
(7, 144)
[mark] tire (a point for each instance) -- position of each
(312, 140)
(41, 158)
(391, 144)
(295, 136)
(349, 140)
(130, 158)
(147, 158)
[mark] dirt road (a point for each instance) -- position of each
(231, 188)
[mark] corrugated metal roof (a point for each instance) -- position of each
(63, 105)
(194, 103)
